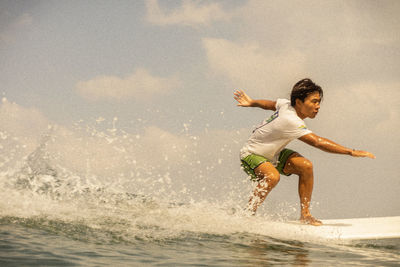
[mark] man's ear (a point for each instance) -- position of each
(298, 102)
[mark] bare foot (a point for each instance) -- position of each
(310, 220)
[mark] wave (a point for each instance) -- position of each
(40, 192)
(96, 182)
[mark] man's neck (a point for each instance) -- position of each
(301, 115)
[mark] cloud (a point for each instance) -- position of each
(21, 129)
(10, 32)
(352, 23)
(361, 112)
(252, 66)
(191, 13)
(21, 122)
(353, 40)
(139, 85)
(376, 104)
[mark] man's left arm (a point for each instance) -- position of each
(332, 147)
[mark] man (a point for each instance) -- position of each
(264, 156)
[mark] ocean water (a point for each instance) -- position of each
(172, 239)
(91, 196)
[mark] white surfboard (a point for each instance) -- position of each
(342, 230)
(363, 228)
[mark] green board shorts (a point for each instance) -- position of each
(252, 161)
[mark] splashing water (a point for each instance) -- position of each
(101, 181)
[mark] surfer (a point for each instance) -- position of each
(264, 156)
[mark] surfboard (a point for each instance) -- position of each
(342, 230)
(362, 228)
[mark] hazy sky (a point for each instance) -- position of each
(165, 67)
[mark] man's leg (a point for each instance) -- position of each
(297, 164)
(268, 177)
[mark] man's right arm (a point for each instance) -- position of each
(246, 101)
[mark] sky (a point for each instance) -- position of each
(164, 73)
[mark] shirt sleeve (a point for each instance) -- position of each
(303, 130)
(297, 129)
(280, 102)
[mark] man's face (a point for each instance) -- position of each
(310, 107)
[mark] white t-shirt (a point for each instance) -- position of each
(275, 132)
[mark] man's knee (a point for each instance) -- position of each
(272, 178)
(266, 172)
(305, 166)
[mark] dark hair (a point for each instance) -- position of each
(302, 89)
